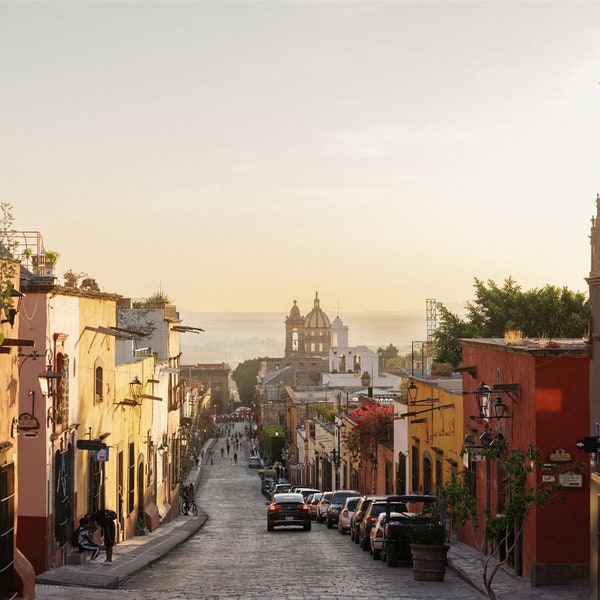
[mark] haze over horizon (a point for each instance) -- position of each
(240, 155)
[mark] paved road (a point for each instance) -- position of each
(234, 557)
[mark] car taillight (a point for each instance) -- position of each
(371, 519)
(275, 508)
(303, 507)
(345, 513)
(379, 533)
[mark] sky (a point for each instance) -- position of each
(241, 155)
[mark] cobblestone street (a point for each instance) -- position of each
(233, 555)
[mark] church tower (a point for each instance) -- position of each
(294, 332)
(308, 336)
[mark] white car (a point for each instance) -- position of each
(377, 532)
(346, 513)
(254, 462)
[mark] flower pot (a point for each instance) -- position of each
(429, 561)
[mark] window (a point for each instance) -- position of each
(427, 474)
(7, 523)
(438, 472)
(98, 385)
(401, 483)
(131, 479)
(415, 468)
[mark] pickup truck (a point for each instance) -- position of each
(421, 510)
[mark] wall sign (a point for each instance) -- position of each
(560, 455)
(570, 480)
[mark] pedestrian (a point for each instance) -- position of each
(235, 457)
(222, 451)
(85, 542)
(211, 459)
(105, 518)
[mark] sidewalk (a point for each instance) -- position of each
(466, 563)
(133, 554)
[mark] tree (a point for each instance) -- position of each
(244, 376)
(502, 532)
(373, 425)
(386, 355)
(549, 312)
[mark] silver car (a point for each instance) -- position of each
(346, 513)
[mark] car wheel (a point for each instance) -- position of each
(375, 554)
(365, 544)
(329, 523)
(307, 526)
(269, 527)
(351, 534)
(391, 555)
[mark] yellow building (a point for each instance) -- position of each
(434, 417)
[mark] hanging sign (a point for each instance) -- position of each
(101, 455)
(28, 422)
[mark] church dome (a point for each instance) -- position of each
(316, 318)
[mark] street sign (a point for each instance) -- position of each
(589, 444)
(101, 455)
(90, 445)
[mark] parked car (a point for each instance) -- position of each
(281, 488)
(359, 513)
(254, 462)
(305, 491)
(288, 509)
(409, 511)
(377, 532)
(323, 506)
(337, 501)
(312, 502)
(375, 509)
(346, 514)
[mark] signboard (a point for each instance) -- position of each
(548, 479)
(570, 480)
(28, 422)
(101, 455)
(90, 445)
(560, 455)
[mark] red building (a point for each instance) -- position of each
(543, 388)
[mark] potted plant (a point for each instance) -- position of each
(50, 258)
(429, 551)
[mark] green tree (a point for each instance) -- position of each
(550, 312)
(244, 376)
(501, 533)
(387, 355)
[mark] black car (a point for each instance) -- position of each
(375, 509)
(335, 505)
(288, 509)
(412, 512)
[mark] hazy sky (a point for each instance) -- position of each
(240, 155)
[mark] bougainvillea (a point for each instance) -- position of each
(374, 424)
